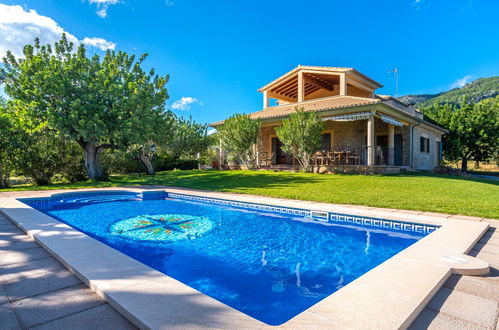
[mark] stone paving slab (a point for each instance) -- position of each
(39, 283)
(35, 289)
(47, 307)
(16, 257)
(429, 319)
(7, 226)
(100, 317)
(491, 258)
(24, 269)
(467, 307)
(5, 242)
(487, 247)
(18, 246)
(485, 287)
(3, 296)
(8, 319)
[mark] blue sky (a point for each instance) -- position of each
(218, 53)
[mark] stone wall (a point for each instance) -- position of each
(425, 160)
(345, 134)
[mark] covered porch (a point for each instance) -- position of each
(363, 141)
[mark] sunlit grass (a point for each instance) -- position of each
(410, 191)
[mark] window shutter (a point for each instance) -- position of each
(428, 145)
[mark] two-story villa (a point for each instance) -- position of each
(363, 130)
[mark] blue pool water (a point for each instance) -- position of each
(270, 266)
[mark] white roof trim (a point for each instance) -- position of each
(350, 116)
(390, 120)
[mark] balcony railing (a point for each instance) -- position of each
(353, 155)
(344, 155)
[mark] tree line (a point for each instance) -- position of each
(65, 110)
(473, 130)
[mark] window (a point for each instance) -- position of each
(424, 144)
(326, 141)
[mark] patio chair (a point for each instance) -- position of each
(354, 158)
(264, 159)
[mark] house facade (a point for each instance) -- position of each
(363, 131)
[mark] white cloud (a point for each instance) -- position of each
(421, 4)
(100, 43)
(103, 5)
(185, 103)
(461, 82)
(19, 27)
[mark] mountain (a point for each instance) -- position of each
(477, 90)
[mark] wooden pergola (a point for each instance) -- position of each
(306, 82)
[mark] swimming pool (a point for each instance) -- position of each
(271, 263)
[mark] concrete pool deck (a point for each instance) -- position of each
(422, 276)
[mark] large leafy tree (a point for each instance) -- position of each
(100, 103)
(473, 129)
(187, 139)
(159, 131)
(239, 134)
(300, 134)
(10, 145)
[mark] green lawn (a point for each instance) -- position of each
(410, 191)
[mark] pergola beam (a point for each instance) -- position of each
(301, 92)
(317, 82)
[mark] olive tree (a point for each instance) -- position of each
(99, 102)
(187, 139)
(239, 134)
(300, 135)
(473, 129)
(9, 143)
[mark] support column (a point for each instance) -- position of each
(301, 90)
(391, 144)
(343, 84)
(265, 100)
(371, 160)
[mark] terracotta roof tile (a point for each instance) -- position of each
(322, 104)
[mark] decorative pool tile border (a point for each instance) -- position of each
(46, 202)
(333, 217)
(259, 207)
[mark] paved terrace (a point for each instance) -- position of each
(36, 291)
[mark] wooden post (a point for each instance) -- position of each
(371, 152)
(265, 100)
(301, 92)
(343, 84)
(391, 144)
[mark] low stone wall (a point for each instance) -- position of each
(354, 169)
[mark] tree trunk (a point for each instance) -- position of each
(477, 164)
(92, 161)
(4, 176)
(464, 164)
(146, 161)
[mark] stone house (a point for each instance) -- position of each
(363, 131)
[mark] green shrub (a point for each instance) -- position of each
(120, 162)
(164, 163)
